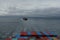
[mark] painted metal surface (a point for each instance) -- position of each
(37, 35)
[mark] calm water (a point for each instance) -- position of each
(33, 24)
(37, 24)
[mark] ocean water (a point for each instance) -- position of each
(32, 24)
(37, 24)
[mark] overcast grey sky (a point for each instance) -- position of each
(27, 7)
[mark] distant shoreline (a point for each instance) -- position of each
(29, 17)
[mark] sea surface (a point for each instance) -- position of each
(32, 24)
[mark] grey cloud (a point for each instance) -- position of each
(47, 12)
(30, 7)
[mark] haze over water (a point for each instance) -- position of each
(17, 25)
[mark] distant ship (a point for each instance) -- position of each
(25, 18)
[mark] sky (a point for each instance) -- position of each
(30, 7)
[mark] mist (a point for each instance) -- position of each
(33, 8)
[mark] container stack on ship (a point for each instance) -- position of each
(34, 36)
